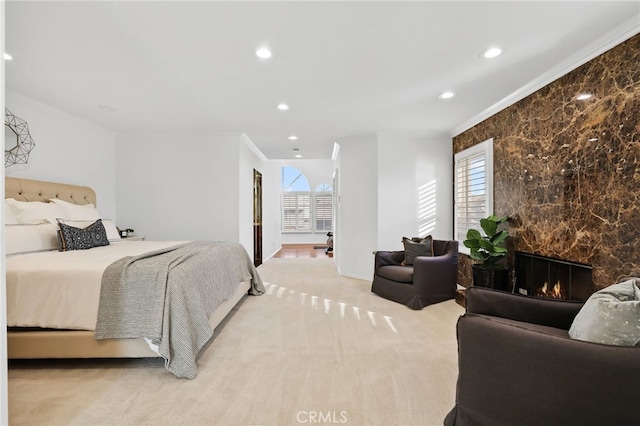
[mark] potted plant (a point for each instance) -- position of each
(489, 251)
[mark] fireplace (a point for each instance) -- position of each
(552, 278)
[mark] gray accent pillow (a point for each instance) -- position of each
(416, 246)
(73, 238)
(610, 316)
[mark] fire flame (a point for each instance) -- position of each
(555, 293)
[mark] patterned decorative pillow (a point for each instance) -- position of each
(72, 238)
(416, 246)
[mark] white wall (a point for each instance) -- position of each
(414, 188)
(179, 185)
(390, 185)
(67, 150)
(191, 186)
(357, 232)
(272, 237)
(250, 159)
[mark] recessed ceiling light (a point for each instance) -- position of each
(491, 52)
(293, 138)
(298, 155)
(283, 107)
(7, 57)
(583, 96)
(263, 53)
(446, 95)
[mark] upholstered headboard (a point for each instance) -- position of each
(38, 190)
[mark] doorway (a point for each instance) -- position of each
(257, 218)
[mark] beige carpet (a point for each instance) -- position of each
(317, 348)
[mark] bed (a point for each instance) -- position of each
(84, 304)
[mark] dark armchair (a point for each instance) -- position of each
(517, 365)
(431, 279)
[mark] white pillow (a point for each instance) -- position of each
(112, 231)
(34, 212)
(109, 226)
(77, 211)
(30, 238)
(9, 217)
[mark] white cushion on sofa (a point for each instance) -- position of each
(610, 316)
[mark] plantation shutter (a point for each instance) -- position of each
(296, 211)
(473, 188)
(324, 211)
(289, 217)
(304, 212)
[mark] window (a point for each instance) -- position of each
(323, 208)
(296, 201)
(296, 211)
(473, 188)
(303, 210)
(294, 180)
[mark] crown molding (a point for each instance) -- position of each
(608, 41)
(252, 146)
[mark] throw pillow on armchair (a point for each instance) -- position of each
(416, 246)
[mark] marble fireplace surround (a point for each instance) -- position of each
(567, 172)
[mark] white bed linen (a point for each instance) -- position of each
(62, 289)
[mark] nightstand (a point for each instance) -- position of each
(134, 238)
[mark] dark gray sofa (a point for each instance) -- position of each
(430, 280)
(518, 366)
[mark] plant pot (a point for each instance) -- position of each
(491, 278)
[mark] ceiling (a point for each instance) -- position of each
(344, 68)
